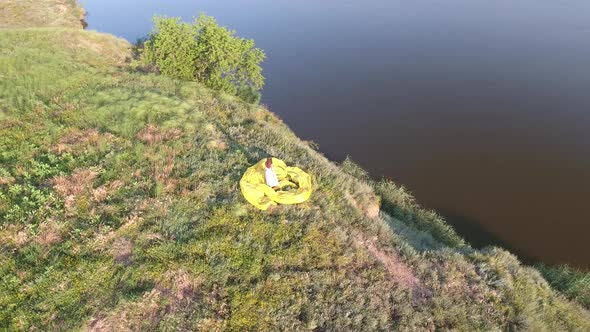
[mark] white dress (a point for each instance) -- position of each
(271, 177)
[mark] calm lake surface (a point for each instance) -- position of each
(480, 108)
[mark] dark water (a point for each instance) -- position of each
(480, 108)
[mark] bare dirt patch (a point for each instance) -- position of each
(74, 184)
(121, 250)
(61, 7)
(49, 233)
(133, 316)
(151, 134)
(76, 141)
(40, 13)
(177, 290)
(364, 200)
(6, 180)
(399, 271)
(103, 192)
(14, 236)
(163, 174)
(217, 144)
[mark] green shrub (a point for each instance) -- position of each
(172, 48)
(250, 95)
(208, 53)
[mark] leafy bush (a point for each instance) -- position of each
(207, 53)
(172, 48)
(250, 95)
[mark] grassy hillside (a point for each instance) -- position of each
(120, 209)
(40, 13)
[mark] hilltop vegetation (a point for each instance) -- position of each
(44, 13)
(120, 209)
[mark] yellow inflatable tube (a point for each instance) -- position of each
(258, 193)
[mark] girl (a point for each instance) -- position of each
(271, 178)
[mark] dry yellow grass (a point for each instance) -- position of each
(40, 13)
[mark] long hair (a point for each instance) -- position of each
(268, 163)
